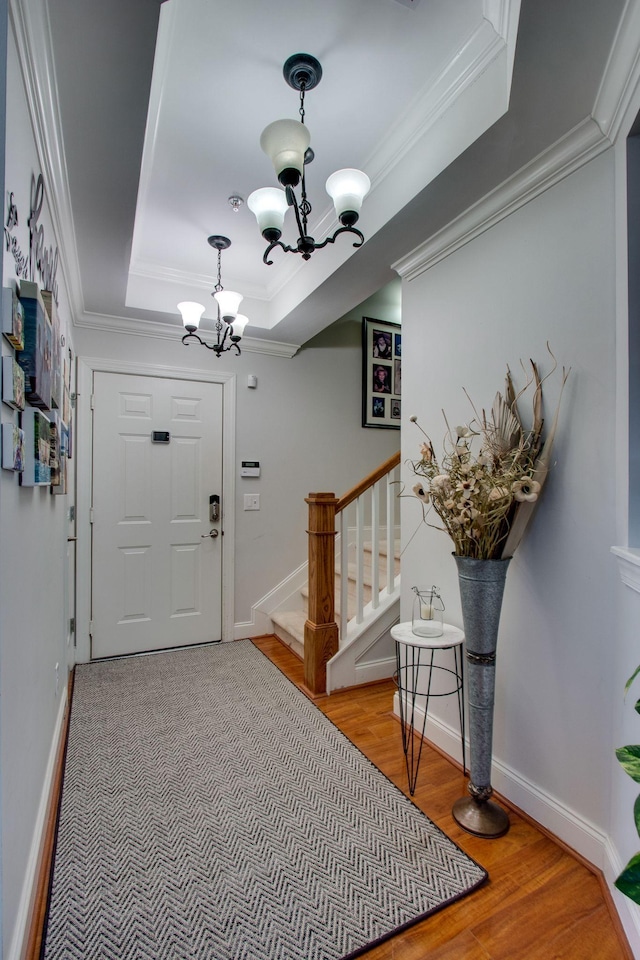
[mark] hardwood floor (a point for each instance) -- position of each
(541, 902)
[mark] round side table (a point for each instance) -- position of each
(415, 670)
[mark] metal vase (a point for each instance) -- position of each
(481, 590)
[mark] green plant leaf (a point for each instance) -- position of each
(631, 679)
(629, 880)
(629, 758)
(636, 813)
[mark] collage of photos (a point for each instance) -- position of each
(381, 374)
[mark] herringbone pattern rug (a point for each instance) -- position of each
(210, 810)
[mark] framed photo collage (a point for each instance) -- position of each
(381, 374)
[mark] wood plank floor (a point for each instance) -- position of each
(541, 902)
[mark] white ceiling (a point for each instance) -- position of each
(407, 86)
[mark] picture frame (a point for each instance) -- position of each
(36, 358)
(12, 318)
(37, 449)
(12, 448)
(381, 374)
(12, 383)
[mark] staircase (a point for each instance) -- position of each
(343, 635)
(288, 623)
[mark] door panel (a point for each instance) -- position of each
(156, 575)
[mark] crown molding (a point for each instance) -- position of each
(147, 270)
(568, 154)
(595, 134)
(622, 74)
(474, 58)
(165, 331)
(504, 16)
(29, 22)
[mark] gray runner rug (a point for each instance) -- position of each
(210, 810)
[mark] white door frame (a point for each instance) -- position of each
(87, 366)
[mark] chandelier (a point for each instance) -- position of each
(229, 325)
(286, 143)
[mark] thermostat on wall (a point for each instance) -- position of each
(250, 468)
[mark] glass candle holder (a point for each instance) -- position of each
(427, 612)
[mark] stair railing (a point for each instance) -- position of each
(375, 508)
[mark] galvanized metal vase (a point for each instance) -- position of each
(481, 590)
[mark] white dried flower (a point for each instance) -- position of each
(420, 492)
(525, 489)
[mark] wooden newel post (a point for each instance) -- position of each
(321, 629)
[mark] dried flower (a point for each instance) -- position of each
(441, 483)
(525, 489)
(485, 502)
(420, 492)
(426, 451)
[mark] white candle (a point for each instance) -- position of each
(426, 611)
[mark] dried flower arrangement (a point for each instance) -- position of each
(485, 501)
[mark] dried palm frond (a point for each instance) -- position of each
(505, 429)
(485, 501)
(525, 510)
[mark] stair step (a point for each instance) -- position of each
(289, 626)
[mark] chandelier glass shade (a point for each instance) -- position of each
(286, 143)
(229, 325)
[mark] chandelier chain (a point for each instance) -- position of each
(301, 109)
(218, 286)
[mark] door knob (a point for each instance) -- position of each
(212, 533)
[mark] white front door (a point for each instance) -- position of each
(157, 459)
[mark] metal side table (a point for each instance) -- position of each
(415, 670)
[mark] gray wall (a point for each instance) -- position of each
(567, 641)
(33, 589)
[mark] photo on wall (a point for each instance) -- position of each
(12, 383)
(381, 373)
(12, 318)
(36, 358)
(12, 447)
(37, 449)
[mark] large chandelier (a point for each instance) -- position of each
(286, 143)
(229, 325)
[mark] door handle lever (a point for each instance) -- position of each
(212, 533)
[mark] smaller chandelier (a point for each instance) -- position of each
(286, 143)
(229, 325)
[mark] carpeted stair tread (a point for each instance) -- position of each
(289, 626)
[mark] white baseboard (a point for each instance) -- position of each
(375, 670)
(565, 824)
(262, 609)
(21, 927)
(562, 822)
